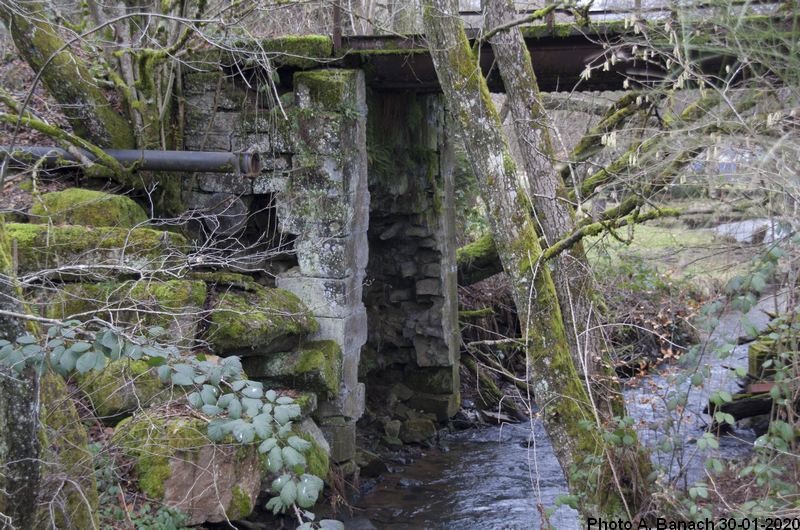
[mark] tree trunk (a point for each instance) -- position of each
(554, 214)
(66, 76)
(563, 401)
(19, 440)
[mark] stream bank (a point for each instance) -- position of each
(507, 476)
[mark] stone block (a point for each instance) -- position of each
(223, 214)
(325, 297)
(224, 182)
(257, 321)
(211, 142)
(332, 257)
(400, 295)
(341, 436)
(270, 182)
(432, 270)
(76, 206)
(429, 287)
(433, 380)
(408, 269)
(444, 406)
(432, 351)
(348, 403)
(316, 368)
(350, 331)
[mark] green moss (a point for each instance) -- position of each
(76, 206)
(240, 504)
(317, 460)
(41, 247)
(300, 51)
(254, 319)
(66, 448)
(316, 368)
(327, 87)
(120, 388)
(152, 441)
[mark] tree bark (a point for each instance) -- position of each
(559, 391)
(66, 76)
(19, 422)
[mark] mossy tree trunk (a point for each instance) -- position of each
(564, 403)
(19, 442)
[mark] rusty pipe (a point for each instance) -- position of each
(147, 160)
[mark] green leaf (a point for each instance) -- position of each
(68, 360)
(244, 433)
(89, 361)
(211, 410)
(274, 460)
(209, 396)
(235, 409)
(331, 524)
(285, 413)
(238, 385)
(180, 379)
(164, 372)
(195, 400)
(251, 406)
(253, 390)
(276, 505)
(299, 444)
(291, 457)
(289, 493)
(29, 339)
(216, 430)
(225, 400)
(285, 400)
(267, 445)
(280, 482)
(80, 347)
(271, 395)
(307, 493)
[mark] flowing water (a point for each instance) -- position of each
(505, 477)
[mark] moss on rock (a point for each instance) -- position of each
(300, 51)
(177, 464)
(76, 206)
(65, 447)
(330, 88)
(316, 368)
(43, 247)
(257, 321)
(122, 387)
(175, 305)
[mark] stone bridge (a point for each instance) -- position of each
(357, 187)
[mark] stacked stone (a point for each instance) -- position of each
(326, 205)
(412, 300)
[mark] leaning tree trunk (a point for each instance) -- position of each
(553, 212)
(66, 75)
(19, 440)
(560, 394)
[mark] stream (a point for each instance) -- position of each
(507, 476)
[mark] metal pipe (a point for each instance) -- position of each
(147, 160)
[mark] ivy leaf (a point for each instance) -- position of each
(195, 400)
(211, 410)
(280, 482)
(285, 400)
(30, 339)
(285, 413)
(289, 493)
(225, 399)
(292, 458)
(216, 430)
(238, 385)
(89, 361)
(307, 493)
(209, 396)
(251, 406)
(299, 444)
(274, 460)
(68, 360)
(235, 409)
(271, 395)
(267, 445)
(164, 372)
(181, 379)
(244, 433)
(253, 390)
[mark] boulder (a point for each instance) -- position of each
(122, 387)
(444, 406)
(316, 368)
(175, 305)
(178, 465)
(76, 206)
(112, 250)
(257, 320)
(417, 430)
